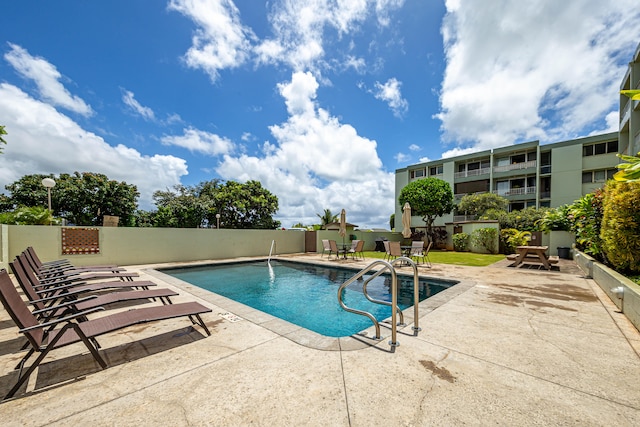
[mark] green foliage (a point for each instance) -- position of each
(246, 206)
(525, 219)
(478, 204)
(81, 198)
(37, 215)
(429, 198)
(555, 219)
(392, 221)
(585, 216)
(460, 242)
(629, 171)
(2, 141)
(486, 238)
(620, 230)
(327, 217)
(512, 238)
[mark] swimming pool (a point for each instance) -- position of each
(305, 294)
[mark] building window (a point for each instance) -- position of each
(600, 148)
(518, 158)
(417, 173)
(597, 176)
(435, 170)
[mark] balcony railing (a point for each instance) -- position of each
(516, 166)
(516, 191)
(474, 172)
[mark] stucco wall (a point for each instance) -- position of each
(128, 246)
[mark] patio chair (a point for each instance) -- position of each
(426, 254)
(69, 301)
(417, 250)
(46, 336)
(395, 250)
(357, 247)
(326, 247)
(387, 255)
(334, 248)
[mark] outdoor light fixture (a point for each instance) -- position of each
(619, 291)
(218, 220)
(49, 184)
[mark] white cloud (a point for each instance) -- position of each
(46, 77)
(389, 92)
(221, 41)
(540, 70)
(129, 99)
(317, 163)
(414, 147)
(42, 140)
(200, 141)
(402, 158)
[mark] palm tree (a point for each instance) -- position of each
(327, 218)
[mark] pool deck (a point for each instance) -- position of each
(504, 347)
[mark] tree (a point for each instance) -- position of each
(327, 217)
(247, 205)
(429, 198)
(2, 141)
(82, 198)
(629, 171)
(478, 204)
(180, 208)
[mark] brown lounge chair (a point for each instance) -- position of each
(65, 263)
(49, 271)
(67, 300)
(46, 289)
(46, 336)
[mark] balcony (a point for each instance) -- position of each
(516, 166)
(474, 172)
(516, 191)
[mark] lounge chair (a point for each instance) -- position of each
(417, 250)
(46, 336)
(61, 263)
(68, 299)
(51, 287)
(77, 275)
(47, 271)
(357, 247)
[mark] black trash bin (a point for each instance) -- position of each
(564, 252)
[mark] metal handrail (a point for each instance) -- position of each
(394, 296)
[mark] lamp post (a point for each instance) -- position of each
(49, 184)
(218, 221)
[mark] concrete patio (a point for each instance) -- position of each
(503, 347)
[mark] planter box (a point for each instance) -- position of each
(627, 300)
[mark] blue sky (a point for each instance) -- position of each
(320, 100)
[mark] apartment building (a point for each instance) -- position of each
(630, 110)
(527, 174)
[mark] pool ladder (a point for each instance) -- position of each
(390, 267)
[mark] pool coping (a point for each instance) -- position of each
(298, 334)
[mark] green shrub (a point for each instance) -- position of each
(555, 220)
(460, 242)
(28, 216)
(585, 216)
(510, 238)
(486, 238)
(620, 231)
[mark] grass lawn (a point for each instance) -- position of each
(449, 257)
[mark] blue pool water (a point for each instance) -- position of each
(306, 294)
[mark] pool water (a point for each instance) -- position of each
(306, 294)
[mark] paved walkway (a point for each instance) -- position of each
(504, 347)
